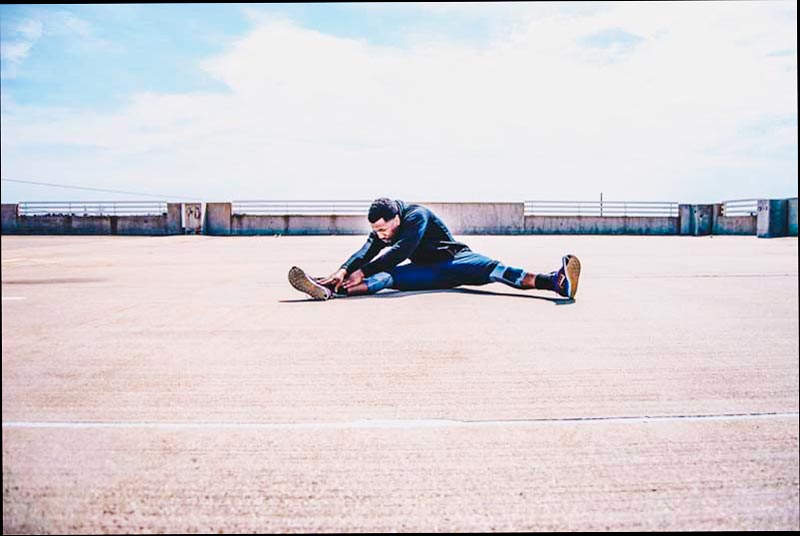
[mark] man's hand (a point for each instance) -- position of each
(336, 279)
(356, 278)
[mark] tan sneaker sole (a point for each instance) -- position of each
(303, 283)
(573, 272)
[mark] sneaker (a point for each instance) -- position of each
(303, 283)
(566, 278)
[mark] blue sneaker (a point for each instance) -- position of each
(566, 278)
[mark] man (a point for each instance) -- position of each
(437, 260)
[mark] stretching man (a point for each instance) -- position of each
(437, 260)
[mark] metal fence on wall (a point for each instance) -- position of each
(740, 207)
(92, 208)
(301, 208)
(602, 208)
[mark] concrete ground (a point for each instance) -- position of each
(179, 384)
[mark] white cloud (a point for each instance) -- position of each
(536, 114)
(30, 29)
(25, 34)
(14, 52)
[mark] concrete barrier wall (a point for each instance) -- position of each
(698, 220)
(685, 220)
(775, 218)
(140, 225)
(64, 225)
(92, 225)
(732, 225)
(480, 218)
(772, 218)
(218, 219)
(735, 225)
(298, 225)
(174, 226)
(8, 218)
(614, 225)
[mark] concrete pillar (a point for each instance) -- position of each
(8, 224)
(716, 214)
(695, 220)
(772, 218)
(791, 224)
(218, 218)
(684, 220)
(173, 219)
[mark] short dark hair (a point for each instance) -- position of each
(383, 208)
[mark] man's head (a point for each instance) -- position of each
(384, 217)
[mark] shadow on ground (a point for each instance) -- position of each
(395, 294)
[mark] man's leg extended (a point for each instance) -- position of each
(519, 278)
(563, 281)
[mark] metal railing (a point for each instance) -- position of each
(301, 208)
(602, 208)
(92, 208)
(740, 207)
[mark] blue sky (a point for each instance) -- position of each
(687, 101)
(96, 56)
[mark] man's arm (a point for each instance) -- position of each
(413, 228)
(361, 257)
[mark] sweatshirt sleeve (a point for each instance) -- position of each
(413, 228)
(367, 252)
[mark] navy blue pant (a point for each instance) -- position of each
(466, 268)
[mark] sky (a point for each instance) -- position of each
(692, 102)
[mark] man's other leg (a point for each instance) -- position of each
(406, 277)
(563, 281)
(371, 285)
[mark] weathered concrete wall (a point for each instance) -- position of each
(218, 219)
(696, 220)
(480, 218)
(613, 225)
(91, 225)
(775, 218)
(174, 219)
(298, 225)
(685, 220)
(8, 219)
(732, 225)
(772, 218)
(735, 225)
(140, 225)
(702, 219)
(461, 218)
(68, 225)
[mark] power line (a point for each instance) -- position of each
(160, 196)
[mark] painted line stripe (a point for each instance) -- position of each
(13, 298)
(393, 423)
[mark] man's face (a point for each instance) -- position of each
(386, 230)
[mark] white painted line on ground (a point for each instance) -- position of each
(18, 259)
(13, 298)
(394, 423)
